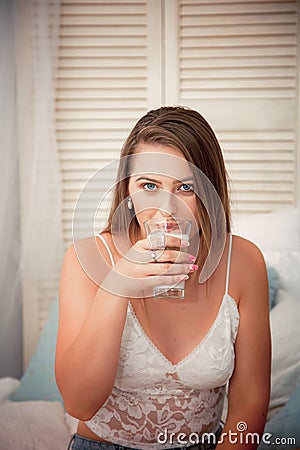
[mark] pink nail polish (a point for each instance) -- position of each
(193, 267)
(192, 258)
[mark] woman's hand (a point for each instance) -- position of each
(142, 268)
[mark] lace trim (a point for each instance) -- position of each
(201, 343)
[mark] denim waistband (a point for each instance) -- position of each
(78, 442)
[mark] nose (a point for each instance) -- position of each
(167, 204)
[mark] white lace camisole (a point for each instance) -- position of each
(152, 396)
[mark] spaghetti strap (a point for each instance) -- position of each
(107, 248)
(228, 264)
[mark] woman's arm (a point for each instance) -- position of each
(91, 323)
(249, 387)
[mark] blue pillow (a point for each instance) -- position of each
(38, 382)
(283, 425)
(273, 280)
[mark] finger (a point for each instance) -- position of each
(142, 252)
(176, 241)
(171, 268)
(142, 245)
(175, 256)
(166, 280)
(143, 270)
(170, 241)
(157, 239)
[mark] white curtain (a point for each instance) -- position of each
(10, 299)
(31, 123)
(42, 233)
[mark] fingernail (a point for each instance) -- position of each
(192, 258)
(193, 267)
(183, 277)
(185, 243)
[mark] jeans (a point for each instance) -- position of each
(80, 443)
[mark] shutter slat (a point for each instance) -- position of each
(80, 31)
(120, 42)
(98, 103)
(249, 19)
(236, 51)
(101, 51)
(85, 124)
(234, 73)
(240, 7)
(104, 9)
(100, 20)
(115, 114)
(86, 62)
(102, 92)
(238, 30)
(242, 41)
(268, 62)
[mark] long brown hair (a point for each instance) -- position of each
(184, 129)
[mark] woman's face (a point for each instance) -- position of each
(161, 184)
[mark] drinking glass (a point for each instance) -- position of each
(156, 230)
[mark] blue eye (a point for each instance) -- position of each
(186, 187)
(149, 186)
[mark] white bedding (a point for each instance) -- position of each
(31, 425)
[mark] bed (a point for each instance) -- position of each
(32, 415)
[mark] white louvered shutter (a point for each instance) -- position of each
(237, 64)
(105, 83)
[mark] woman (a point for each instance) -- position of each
(152, 374)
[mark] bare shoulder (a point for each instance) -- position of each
(86, 261)
(249, 265)
(246, 251)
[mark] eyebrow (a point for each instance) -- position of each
(153, 180)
